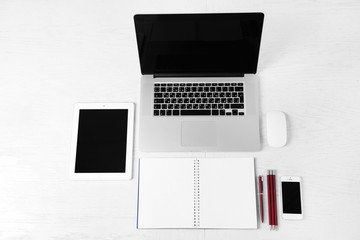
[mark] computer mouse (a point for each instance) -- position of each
(276, 129)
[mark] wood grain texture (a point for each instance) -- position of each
(56, 53)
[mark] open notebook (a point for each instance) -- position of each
(196, 193)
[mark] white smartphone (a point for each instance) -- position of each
(292, 207)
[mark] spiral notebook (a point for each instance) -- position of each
(196, 193)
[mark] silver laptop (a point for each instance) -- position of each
(198, 87)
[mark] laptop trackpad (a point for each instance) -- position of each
(198, 134)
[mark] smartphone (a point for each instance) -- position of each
(291, 198)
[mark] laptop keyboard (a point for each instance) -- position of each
(199, 99)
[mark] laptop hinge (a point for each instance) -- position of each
(167, 75)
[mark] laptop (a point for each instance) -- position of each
(199, 91)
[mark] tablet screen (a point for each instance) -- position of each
(101, 141)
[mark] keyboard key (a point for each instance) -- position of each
(241, 113)
(157, 106)
(195, 112)
(239, 89)
(158, 100)
(222, 112)
(215, 112)
(176, 106)
(235, 105)
(227, 106)
(234, 112)
(162, 112)
(158, 95)
(167, 100)
(157, 89)
(176, 112)
(163, 89)
(168, 112)
(164, 106)
(227, 84)
(157, 85)
(156, 112)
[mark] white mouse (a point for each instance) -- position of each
(276, 129)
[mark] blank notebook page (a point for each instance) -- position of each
(165, 193)
(228, 197)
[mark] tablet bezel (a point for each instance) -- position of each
(127, 175)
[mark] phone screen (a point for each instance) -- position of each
(291, 198)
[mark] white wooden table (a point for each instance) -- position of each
(56, 53)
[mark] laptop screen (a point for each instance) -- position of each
(200, 44)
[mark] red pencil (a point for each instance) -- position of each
(272, 199)
(269, 198)
(275, 203)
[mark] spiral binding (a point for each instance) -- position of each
(196, 193)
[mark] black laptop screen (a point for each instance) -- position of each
(199, 43)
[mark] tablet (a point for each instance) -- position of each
(102, 146)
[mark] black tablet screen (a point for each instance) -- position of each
(101, 141)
